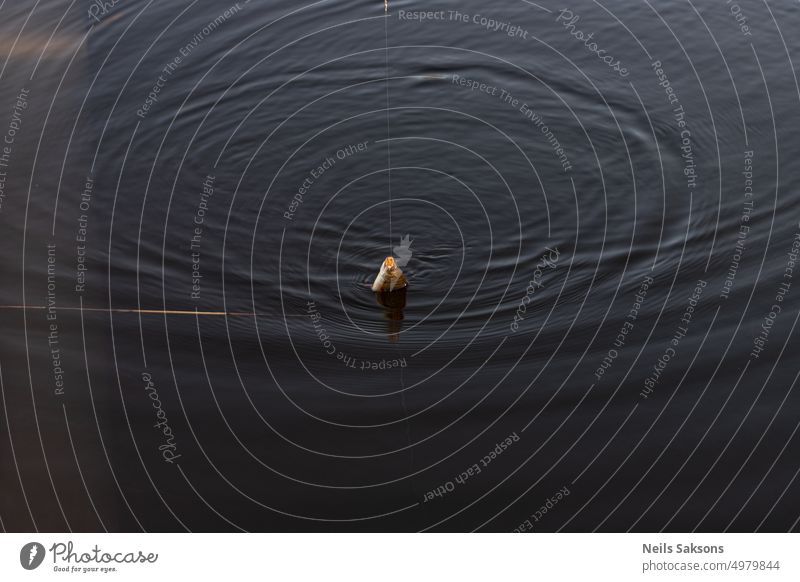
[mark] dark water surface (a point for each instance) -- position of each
(599, 327)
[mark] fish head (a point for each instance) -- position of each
(389, 265)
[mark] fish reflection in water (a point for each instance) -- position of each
(393, 303)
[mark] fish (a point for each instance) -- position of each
(390, 277)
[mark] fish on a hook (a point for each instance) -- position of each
(390, 277)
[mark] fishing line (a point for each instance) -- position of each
(388, 131)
